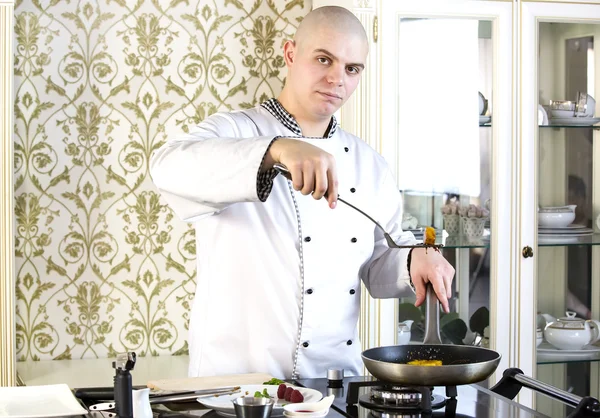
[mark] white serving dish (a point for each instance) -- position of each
(555, 219)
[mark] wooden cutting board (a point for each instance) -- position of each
(210, 382)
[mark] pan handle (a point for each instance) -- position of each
(432, 317)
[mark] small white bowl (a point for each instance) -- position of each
(555, 219)
(556, 113)
(308, 409)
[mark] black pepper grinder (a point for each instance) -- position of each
(123, 387)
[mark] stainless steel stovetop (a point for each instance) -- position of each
(468, 401)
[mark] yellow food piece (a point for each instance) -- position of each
(425, 362)
(429, 236)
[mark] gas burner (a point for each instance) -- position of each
(390, 399)
(396, 395)
(405, 414)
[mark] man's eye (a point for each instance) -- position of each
(323, 60)
(353, 70)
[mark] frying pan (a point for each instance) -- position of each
(461, 365)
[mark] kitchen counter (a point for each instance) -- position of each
(212, 414)
(99, 372)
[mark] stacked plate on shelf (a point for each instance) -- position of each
(564, 233)
(574, 121)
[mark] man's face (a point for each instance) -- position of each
(324, 70)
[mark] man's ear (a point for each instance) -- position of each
(289, 52)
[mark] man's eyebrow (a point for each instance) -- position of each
(326, 52)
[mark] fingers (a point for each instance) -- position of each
(440, 291)
(448, 277)
(308, 174)
(420, 291)
(332, 182)
(313, 171)
(297, 177)
(321, 183)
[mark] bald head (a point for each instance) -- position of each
(333, 18)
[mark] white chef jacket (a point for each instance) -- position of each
(278, 282)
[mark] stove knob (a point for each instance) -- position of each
(335, 378)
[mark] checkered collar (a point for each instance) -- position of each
(282, 115)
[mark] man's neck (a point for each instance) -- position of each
(309, 126)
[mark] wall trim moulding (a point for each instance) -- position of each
(7, 276)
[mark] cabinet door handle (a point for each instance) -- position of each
(527, 252)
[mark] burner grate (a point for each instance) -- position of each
(401, 400)
(396, 396)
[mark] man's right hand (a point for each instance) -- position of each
(312, 169)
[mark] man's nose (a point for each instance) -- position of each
(335, 75)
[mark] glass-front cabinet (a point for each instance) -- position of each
(560, 194)
(446, 133)
(436, 102)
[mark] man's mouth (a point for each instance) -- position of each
(330, 95)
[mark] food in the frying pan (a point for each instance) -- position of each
(425, 362)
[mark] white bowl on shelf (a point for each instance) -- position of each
(555, 219)
(556, 216)
(557, 113)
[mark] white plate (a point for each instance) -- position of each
(568, 227)
(574, 121)
(542, 116)
(577, 232)
(484, 119)
(547, 348)
(39, 402)
(561, 239)
(223, 405)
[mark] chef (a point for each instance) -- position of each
(280, 262)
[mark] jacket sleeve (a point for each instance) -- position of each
(212, 167)
(386, 274)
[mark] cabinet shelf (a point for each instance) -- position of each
(541, 359)
(461, 241)
(593, 239)
(596, 127)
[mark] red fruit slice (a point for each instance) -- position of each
(281, 391)
(288, 394)
(296, 396)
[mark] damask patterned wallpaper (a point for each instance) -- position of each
(103, 266)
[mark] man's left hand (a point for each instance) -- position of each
(429, 266)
